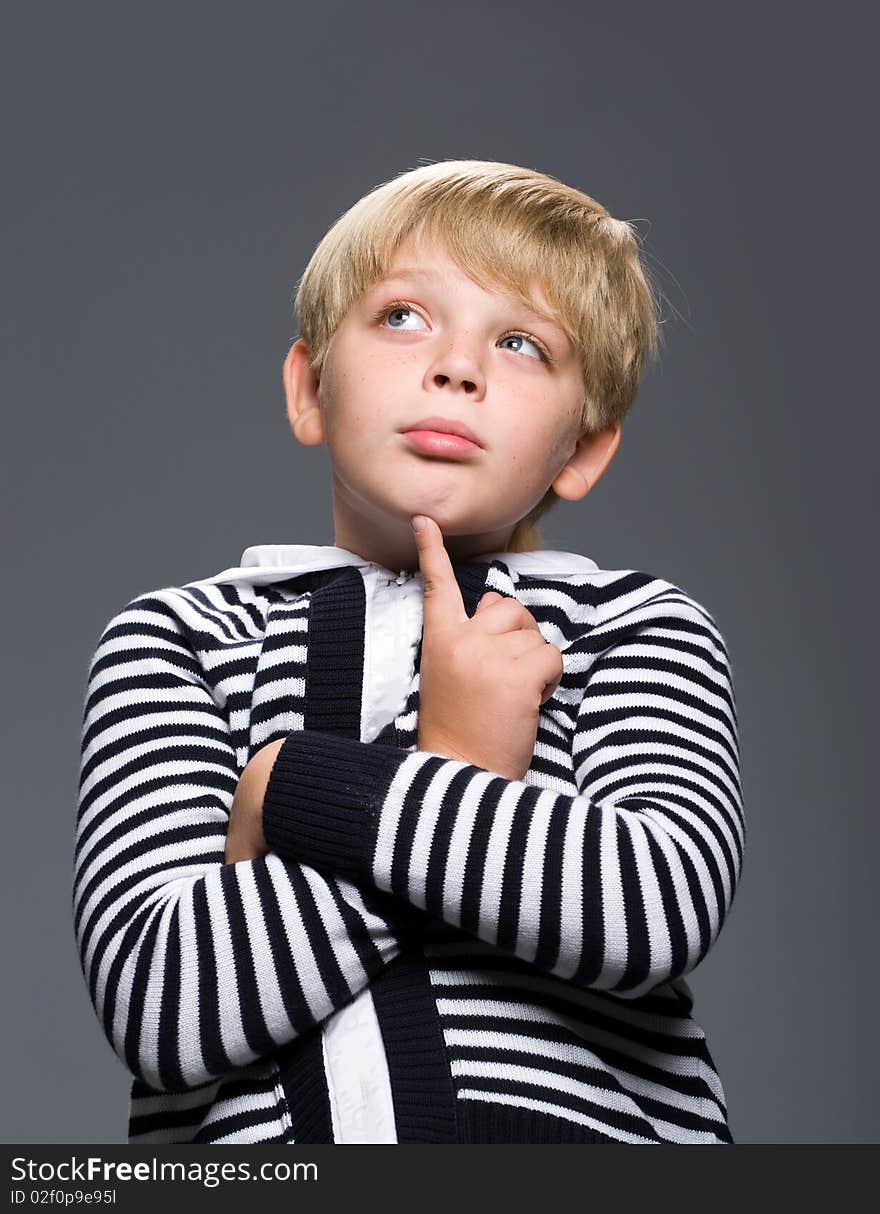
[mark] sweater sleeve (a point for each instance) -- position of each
(621, 887)
(194, 966)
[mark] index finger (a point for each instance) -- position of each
(443, 602)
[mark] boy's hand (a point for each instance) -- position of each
(482, 680)
(244, 835)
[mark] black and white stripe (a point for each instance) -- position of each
(559, 914)
(620, 886)
(198, 968)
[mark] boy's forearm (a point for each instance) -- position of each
(245, 838)
(243, 958)
(618, 895)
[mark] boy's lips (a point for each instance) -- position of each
(436, 442)
(444, 425)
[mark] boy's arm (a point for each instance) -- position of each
(196, 967)
(620, 887)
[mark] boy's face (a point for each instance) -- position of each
(427, 341)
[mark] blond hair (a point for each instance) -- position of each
(507, 227)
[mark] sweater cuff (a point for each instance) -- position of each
(323, 798)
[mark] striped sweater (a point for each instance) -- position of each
(429, 952)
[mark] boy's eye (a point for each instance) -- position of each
(394, 309)
(527, 340)
(398, 307)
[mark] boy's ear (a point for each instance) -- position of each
(592, 455)
(301, 395)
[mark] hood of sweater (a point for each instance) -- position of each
(262, 564)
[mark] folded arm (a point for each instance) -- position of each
(196, 967)
(620, 887)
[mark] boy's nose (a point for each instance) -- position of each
(467, 384)
(458, 366)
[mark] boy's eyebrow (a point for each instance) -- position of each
(413, 272)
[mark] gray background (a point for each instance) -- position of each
(170, 168)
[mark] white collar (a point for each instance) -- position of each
(264, 563)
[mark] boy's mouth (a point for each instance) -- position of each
(445, 425)
(439, 442)
(443, 435)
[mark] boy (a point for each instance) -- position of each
(413, 837)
